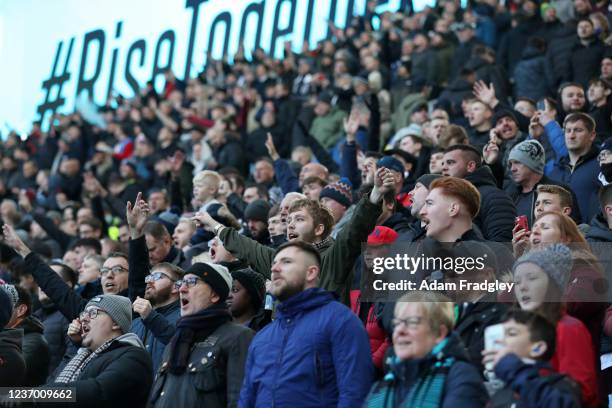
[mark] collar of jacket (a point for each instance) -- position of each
(168, 308)
(323, 245)
(590, 155)
(306, 300)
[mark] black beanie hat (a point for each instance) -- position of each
(216, 276)
(254, 283)
(426, 179)
(258, 210)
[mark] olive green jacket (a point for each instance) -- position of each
(338, 257)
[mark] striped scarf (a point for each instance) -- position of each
(73, 369)
(426, 392)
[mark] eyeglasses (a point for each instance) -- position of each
(115, 270)
(189, 282)
(90, 314)
(154, 277)
(410, 322)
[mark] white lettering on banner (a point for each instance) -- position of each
(56, 52)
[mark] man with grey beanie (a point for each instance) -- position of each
(526, 161)
(112, 367)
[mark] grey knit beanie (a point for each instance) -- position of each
(555, 260)
(530, 153)
(119, 308)
(11, 292)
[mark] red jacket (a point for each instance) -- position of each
(575, 357)
(379, 341)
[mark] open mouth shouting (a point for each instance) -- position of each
(184, 302)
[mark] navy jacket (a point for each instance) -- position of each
(583, 181)
(316, 353)
(534, 385)
(157, 329)
(599, 231)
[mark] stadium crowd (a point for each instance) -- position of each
(206, 245)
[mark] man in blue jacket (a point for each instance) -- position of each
(316, 351)
(579, 168)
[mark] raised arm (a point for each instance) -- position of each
(257, 255)
(67, 301)
(138, 255)
(338, 263)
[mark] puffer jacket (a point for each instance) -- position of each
(315, 354)
(497, 211)
(463, 386)
(56, 326)
(120, 376)
(35, 351)
(379, 340)
(12, 364)
(214, 374)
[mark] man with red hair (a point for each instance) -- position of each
(450, 207)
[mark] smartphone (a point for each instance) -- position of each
(522, 221)
(541, 105)
(492, 335)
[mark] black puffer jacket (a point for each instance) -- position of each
(120, 376)
(56, 326)
(497, 211)
(12, 364)
(35, 351)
